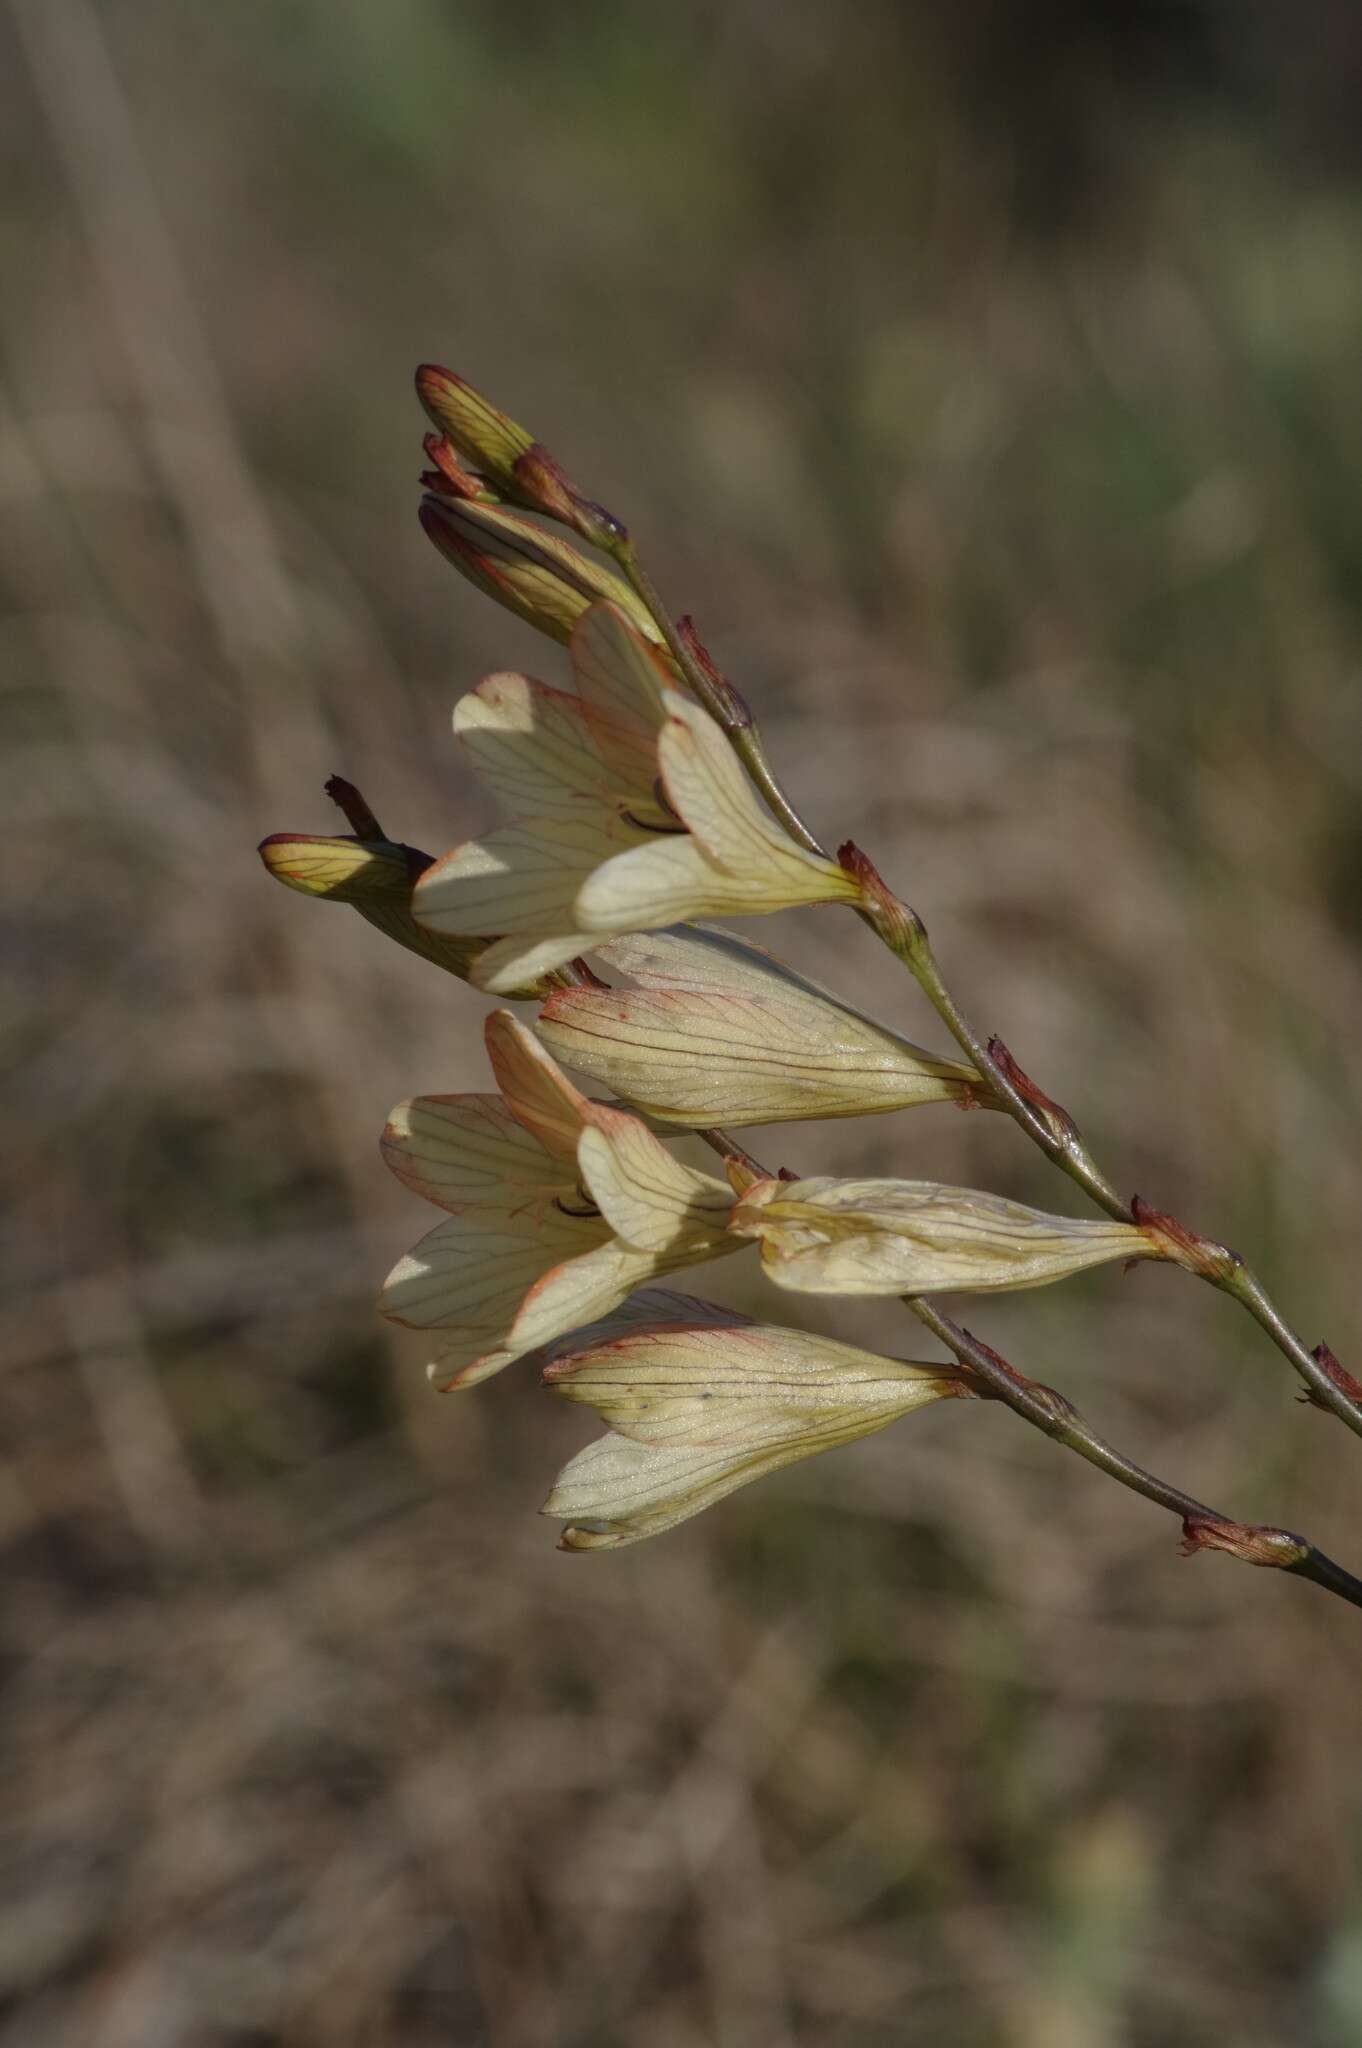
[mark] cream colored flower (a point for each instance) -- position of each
(376, 878)
(631, 811)
(558, 1209)
(720, 1032)
(826, 1236)
(700, 1402)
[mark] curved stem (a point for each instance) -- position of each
(1055, 1132)
(1056, 1416)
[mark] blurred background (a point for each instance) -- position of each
(986, 381)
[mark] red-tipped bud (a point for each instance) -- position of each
(505, 457)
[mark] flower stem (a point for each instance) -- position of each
(1056, 1416)
(1057, 1135)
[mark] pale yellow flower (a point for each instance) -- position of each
(718, 1031)
(558, 1209)
(826, 1236)
(631, 811)
(701, 1401)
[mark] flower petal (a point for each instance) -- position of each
(534, 746)
(511, 967)
(469, 1151)
(733, 858)
(697, 1412)
(473, 1271)
(537, 1093)
(826, 1236)
(711, 794)
(748, 1042)
(621, 675)
(658, 883)
(650, 1199)
(522, 878)
(580, 1291)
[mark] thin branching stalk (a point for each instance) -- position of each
(1049, 1127)
(1056, 1417)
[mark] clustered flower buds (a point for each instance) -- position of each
(634, 815)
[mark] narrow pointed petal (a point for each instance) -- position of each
(581, 1291)
(825, 1236)
(649, 1198)
(510, 967)
(468, 1151)
(537, 1093)
(711, 794)
(618, 673)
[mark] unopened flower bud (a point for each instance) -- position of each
(722, 1032)
(543, 580)
(698, 1405)
(376, 878)
(516, 466)
(826, 1236)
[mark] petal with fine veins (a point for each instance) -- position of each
(649, 1198)
(467, 1151)
(475, 1269)
(827, 1236)
(714, 799)
(533, 746)
(696, 1412)
(617, 672)
(520, 878)
(537, 1092)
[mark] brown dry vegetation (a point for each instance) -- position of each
(992, 397)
